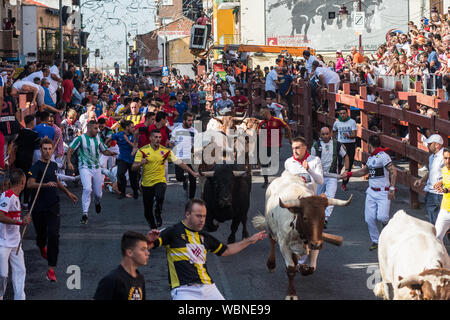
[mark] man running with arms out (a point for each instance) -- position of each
(187, 245)
(90, 146)
(46, 216)
(152, 158)
(126, 282)
(381, 190)
(443, 219)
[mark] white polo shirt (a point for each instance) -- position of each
(435, 165)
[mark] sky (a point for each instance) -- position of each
(105, 20)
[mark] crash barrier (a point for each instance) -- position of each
(308, 121)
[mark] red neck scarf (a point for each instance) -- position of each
(377, 150)
(304, 158)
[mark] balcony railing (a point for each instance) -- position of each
(9, 46)
(230, 39)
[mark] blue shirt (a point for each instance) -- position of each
(124, 147)
(48, 98)
(98, 110)
(285, 83)
(181, 107)
(44, 130)
(433, 57)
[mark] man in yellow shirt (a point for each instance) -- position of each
(443, 220)
(152, 158)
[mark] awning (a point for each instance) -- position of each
(37, 3)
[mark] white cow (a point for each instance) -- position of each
(413, 262)
(294, 217)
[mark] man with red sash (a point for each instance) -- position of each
(381, 190)
(304, 165)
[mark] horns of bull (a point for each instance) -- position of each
(239, 173)
(340, 203)
(290, 203)
(240, 118)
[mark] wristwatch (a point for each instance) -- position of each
(391, 188)
(445, 190)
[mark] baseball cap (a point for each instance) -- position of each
(339, 51)
(434, 138)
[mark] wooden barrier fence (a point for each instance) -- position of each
(309, 122)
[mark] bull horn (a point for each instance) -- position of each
(340, 203)
(239, 173)
(207, 173)
(240, 118)
(410, 281)
(290, 203)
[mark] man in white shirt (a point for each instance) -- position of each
(331, 153)
(326, 76)
(344, 131)
(183, 138)
(309, 59)
(304, 165)
(231, 82)
(381, 190)
(54, 80)
(278, 110)
(29, 86)
(433, 198)
(44, 73)
(271, 80)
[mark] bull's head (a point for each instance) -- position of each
(223, 184)
(229, 122)
(310, 212)
(433, 284)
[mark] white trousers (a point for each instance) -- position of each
(197, 292)
(328, 187)
(92, 180)
(18, 271)
(377, 208)
(442, 224)
(108, 162)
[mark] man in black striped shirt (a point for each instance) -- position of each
(187, 244)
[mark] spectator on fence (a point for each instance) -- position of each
(340, 61)
(433, 198)
(309, 59)
(271, 82)
(357, 57)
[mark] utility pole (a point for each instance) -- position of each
(61, 44)
(79, 43)
(360, 34)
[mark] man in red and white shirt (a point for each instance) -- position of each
(10, 222)
(172, 112)
(271, 126)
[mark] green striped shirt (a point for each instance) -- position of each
(89, 151)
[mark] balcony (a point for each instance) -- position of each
(9, 45)
(230, 39)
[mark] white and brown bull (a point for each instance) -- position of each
(414, 264)
(294, 217)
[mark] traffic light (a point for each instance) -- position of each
(66, 12)
(84, 36)
(199, 37)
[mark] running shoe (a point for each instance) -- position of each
(98, 208)
(43, 252)
(344, 187)
(374, 246)
(51, 276)
(84, 219)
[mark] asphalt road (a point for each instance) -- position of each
(347, 272)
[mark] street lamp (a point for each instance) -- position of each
(343, 13)
(126, 40)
